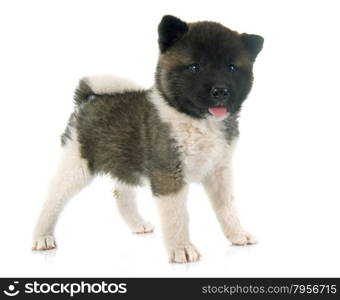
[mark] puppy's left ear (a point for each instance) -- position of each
(170, 30)
(253, 44)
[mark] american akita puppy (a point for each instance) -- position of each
(182, 130)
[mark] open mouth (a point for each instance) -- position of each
(218, 111)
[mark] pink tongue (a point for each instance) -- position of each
(217, 111)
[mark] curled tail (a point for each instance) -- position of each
(83, 91)
(102, 85)
(88, 88)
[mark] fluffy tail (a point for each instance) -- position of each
(102, 85)
(83, 91)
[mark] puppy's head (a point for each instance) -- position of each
(205, 68)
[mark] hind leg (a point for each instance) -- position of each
(71, 176)
(127, 206)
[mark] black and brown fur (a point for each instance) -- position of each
(214, 49)
(122, 134)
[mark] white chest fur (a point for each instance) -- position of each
(202, 147)
(201, 143)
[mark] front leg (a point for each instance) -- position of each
(174, 223)
(218, 186)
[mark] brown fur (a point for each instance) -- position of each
(121, 135)
(168, 134)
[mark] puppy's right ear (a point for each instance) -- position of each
(170, 30)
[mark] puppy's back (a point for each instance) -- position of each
(111, 120)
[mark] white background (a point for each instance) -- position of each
(287, 166)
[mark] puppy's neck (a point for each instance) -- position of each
(170, 114)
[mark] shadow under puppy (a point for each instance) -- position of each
(182, 130)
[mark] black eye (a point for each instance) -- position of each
(232, 68)
(194, 68)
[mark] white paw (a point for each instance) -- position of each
(45, 242)
(242, 238)
(183, 255)
(144, 227)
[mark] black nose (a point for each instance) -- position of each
(219, 92)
